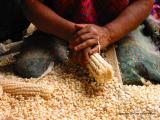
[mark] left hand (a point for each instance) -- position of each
(88, 36)
(81, 57)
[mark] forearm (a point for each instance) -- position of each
(47, 20)
(129, 19)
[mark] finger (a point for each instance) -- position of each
(94, 50)
(83, 38)
(87, 29)
(84, 45)
(83, 31)
(86, 55)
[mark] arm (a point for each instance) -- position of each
(129, 19)
(47, 20)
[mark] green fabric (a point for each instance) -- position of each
(137, 60)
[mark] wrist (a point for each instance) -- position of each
(107, 36)
(70, 35)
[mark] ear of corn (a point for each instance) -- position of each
(100, 69)
(31, 29)
(25, 89)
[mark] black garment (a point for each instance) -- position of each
(39, 51)
(12, 20)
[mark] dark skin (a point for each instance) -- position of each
(83, 37)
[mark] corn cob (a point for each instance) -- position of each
(100, 69)
(25, 89)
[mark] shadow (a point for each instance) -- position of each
(8, 68)
(88, 84)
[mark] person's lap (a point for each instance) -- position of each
(39, 51)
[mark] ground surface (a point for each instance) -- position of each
(75, 97)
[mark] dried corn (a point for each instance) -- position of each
(100, 69)
(1, 91)
(25, 89)
(31, 29)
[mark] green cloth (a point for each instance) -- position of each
(138, 59)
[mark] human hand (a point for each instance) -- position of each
(89, 39)
(90, 35)
(81, 57)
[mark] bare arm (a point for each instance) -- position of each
(47, 20)
(129, 19)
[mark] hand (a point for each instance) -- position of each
(81, 57)
(88, 36)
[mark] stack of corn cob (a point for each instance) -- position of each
(25, 89)
(100, 69)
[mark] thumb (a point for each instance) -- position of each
(79, 26)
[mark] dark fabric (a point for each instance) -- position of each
(33, 62)
(12, 19)
(40, 49)
(56, 46)
(103, 11)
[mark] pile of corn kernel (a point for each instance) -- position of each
(76, 97)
